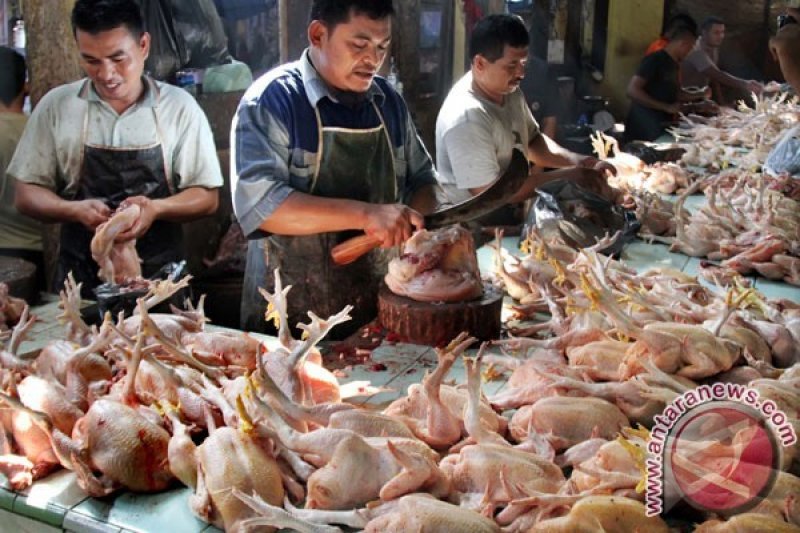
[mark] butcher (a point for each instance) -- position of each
(323, 149)
(485, 116)
(115, 137)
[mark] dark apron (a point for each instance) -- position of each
(113, 174)
(356, 164)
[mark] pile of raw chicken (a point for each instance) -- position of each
(741, 137)
(747, 223)
(641, 185)
(636, 176)
(262, 437)
(619, 346)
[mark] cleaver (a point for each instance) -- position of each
(495, 196)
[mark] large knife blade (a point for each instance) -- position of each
(494, 197)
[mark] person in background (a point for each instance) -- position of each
(485, 117)
(785, 48)
(20, 236)
(655, 90)
(699, 68)
(116, 137)
(322, 146)
(679, 19)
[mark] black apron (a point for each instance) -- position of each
(357, 164)
(112, 174)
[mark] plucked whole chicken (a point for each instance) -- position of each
(437, 266)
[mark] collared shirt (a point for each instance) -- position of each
(475, 138)
(49, 153)
(275, 138)
(17, 231)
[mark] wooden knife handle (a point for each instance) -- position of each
(348, 251)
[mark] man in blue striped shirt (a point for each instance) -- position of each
(323, 150)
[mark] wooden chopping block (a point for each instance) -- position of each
(436, 324)
(20, 276)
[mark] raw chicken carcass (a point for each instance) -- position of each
(434, 411)
(113, 439)
(604, 513)
(566, 421)
(353, 469)
(10, 308)
(34, 457)
(419, 512)
(232, 458)
(119, 261)
(437, 266)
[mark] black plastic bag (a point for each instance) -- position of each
(116, 298)
(569, 213)
(184, 34)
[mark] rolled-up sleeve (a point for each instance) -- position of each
(259, 169)
(420, 165)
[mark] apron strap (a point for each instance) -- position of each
(159, 141)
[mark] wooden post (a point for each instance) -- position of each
(496, 6)
(283, 30)
(51, 52)
(52, 58)
(459, 41)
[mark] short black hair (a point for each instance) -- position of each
(12, 74)
(95, 16)
(680, 19)
(711, 21)
(492, 33)
(333, 12)
(681, 31)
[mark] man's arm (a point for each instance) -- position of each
(549, 125)
(306, 214)
(637, 93)
(43, 204)
(723, 78)
(547, 153)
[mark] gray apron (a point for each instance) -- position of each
(112, 174)
(356, 164)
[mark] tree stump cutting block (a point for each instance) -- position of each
(436, 324)
(20, 276)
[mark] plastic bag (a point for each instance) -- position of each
(579, 218)
(184, 34)
(116, 298)
(785, 156)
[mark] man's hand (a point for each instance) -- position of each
(148, 215)
(91, 213)
(754, 86)
(392, 224)
(604, 167)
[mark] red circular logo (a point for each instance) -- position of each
(723, 457)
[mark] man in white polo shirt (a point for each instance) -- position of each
(485, 117)
(115, 137)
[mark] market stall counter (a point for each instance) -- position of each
(389, 366)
